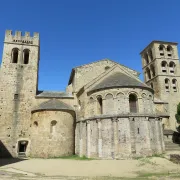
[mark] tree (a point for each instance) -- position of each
(178, 116)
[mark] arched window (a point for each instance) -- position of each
(35, 123)
(26, 56)
(133, 102)
(169, 50)
(146, 58)
(174, 85)
(161, 50)
(153, 70)
(150, 54)
(164, 66)
(14, 56)
(161, 47)
(166, 81)
(53, 126)
(172, 67)
(99, 105)
(148, 73)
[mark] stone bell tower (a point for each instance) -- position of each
(19, 80)
(161, 71)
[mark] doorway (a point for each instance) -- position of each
(22, 146)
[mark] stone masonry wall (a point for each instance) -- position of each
(18, 88)
(48, 141)
(119, 137)
(116, 101)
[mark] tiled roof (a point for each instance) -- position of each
(53, 104)
(119, 80)
(53, 94)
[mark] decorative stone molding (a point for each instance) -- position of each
(114, 119)
(147, 118)
(131, 119)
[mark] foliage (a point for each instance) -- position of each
(178, 113)
(178, 116)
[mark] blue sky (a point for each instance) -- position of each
(77, 32)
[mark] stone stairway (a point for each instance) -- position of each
(22, 155)
(170, 146)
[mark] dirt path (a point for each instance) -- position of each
(70, 169)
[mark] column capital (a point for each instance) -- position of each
(147, 118)
(114, 119)
(131, 118)
(98, 120)
(160, 118)
(156, 119)
(88, 121)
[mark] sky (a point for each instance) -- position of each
(77, 32)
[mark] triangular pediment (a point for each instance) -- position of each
(116, 76)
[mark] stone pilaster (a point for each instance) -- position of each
(161, 135)
(88, 142)
(115, 138)
(133, 137)
(147, 143)
(80, 140)
(99, 138)
(158, 139)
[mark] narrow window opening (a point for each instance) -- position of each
(100, 105)
(174, 85)
(164, 66)
(53, 127)
(138, 130)
(15, 53)
(167, 85)
(161, 47)
(35, 123)
(16, 96)
(133, 103)
(26, 56)
(169, 48)
(172, 67)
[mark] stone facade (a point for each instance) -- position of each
(161, 70)
(106, 111)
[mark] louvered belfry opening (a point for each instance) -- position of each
(133, 103)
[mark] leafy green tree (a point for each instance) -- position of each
(178, 116)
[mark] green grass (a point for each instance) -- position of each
(73, 157)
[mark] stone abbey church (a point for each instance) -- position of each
(105, 112)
